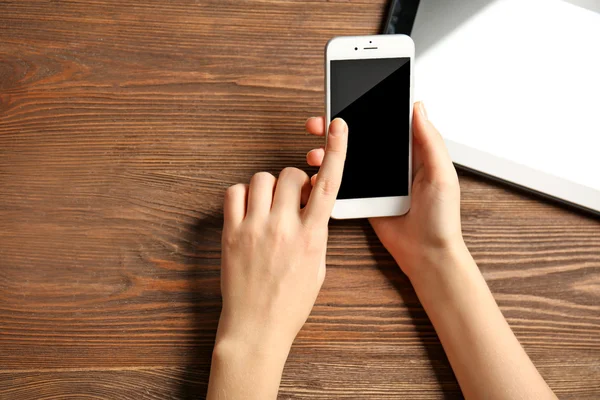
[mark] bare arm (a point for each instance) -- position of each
(245, 370)
(427, 243)
(486, 357)
(272, 268)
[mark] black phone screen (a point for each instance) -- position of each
(373, 97)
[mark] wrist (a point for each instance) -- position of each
(434, 266)
(249, 342)
(232, 350)
(449, 288)
(245, 369)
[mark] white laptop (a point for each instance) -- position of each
(514, 88)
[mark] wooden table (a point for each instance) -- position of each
(121, 125)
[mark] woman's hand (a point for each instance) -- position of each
(427, 243)
(273, 260)
(431, 229)
(273, 266)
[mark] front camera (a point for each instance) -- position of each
(356, 48)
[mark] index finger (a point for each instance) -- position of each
(323, 195)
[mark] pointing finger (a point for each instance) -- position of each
(329, 179)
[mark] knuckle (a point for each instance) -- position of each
(262, 177)
(316, 240)
(336, 150)
(279, 229)
(251, 234)
(337, 145)
(328, 186)
(228, 240)
(232, 191)
(289, 171)
(292, 173)
(311, 229)
(286, 232)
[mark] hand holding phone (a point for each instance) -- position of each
(272, 268)
(432, 228)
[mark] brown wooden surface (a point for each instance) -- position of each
(121, 124)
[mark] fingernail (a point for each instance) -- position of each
(423, 110)
(338, 127)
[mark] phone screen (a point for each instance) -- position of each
(373, 97)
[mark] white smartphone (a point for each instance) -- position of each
(368, 83)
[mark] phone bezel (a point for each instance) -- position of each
(371, 47)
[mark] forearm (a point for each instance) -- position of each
(242, 372)
(486, 357)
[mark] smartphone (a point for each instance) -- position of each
(368, 83)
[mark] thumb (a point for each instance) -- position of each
(430, 150)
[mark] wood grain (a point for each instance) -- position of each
(121, 124)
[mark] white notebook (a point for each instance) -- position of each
(514, 88)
